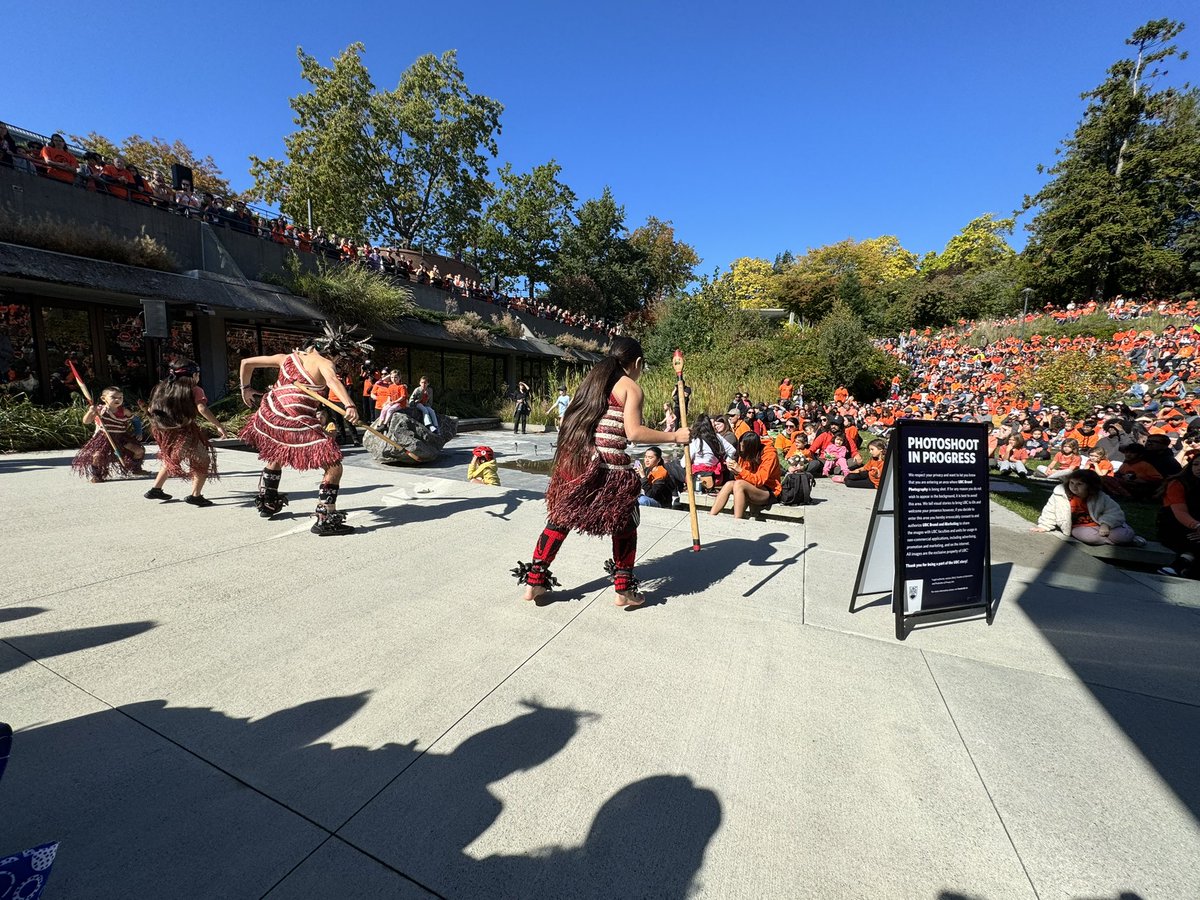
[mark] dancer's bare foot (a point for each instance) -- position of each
(630, 598)
(535, 592)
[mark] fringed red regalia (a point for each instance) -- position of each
(285, 428)
(602, 498)
(97, 459)
(185, 451)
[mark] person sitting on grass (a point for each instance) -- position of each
(1012, 455)
(1136, 478)
(1097, 461)
(1079, 508)
(1064, 462)
(758, 480)
(870, 474)
(1179, 520)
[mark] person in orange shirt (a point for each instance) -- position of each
(785, 389)
(61, 165)
(869, 475)
(758, 478)
(395, 396)
(841, 395)
(117, 178)
(737, 423)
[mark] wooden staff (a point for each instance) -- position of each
(341, 412)
(87, 395)
(677, 361)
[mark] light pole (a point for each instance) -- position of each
(1026, 293)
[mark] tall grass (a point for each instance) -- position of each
(1096, 324)
(26, 426)
(351, 293)
(45, 232)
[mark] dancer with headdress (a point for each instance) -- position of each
(184, 451)
(285, 429)
(112, 447)
(594, 487)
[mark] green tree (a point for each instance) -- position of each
(843, 345)
(408, 165)
(810, 287)
(151, 154)
(1075, 380)
(752, 283)
(668, 264)
(523, 225)
(598, 270)
(980, 245)
(1121, 210)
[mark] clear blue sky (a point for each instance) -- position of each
(755, 127)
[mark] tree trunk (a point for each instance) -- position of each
(1137, 75)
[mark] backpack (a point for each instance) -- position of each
(797, 489)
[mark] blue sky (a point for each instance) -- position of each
(754, 127)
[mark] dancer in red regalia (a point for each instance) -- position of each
(286, 431)
(184, 451)
(96, 459)
(594, 486)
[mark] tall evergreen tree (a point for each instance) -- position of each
(598, 270)
(1121, 210)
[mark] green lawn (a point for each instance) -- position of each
(1142, 517)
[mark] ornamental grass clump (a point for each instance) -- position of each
(351, 294)
(45, 232)
(26, 426)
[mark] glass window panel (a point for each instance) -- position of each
(126, 350)
(278, 340)
(386, 357)
(18, 354)
(242, 341)
(181, 342)
(458, 372)
(429, 364)
(68, 337)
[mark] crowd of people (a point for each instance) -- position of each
(118, 178)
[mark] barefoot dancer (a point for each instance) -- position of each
(594, 487)
(96, 459)
(285, 429)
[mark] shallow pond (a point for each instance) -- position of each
(538, 466)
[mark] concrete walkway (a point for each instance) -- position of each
(212, 705)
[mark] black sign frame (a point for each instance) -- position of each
(892, 501)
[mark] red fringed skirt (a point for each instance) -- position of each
(597, 501)
(285, 430)
(96, 457)
(185, 451)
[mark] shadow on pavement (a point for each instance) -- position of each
(71, 640)
(147, 798)
(1138, 659)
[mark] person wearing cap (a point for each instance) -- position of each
(482, 467)
(558, 408)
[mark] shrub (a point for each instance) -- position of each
(509, 325)
(1075, 381)
(26, 426)
(350, 294)
(469, 327)
(571, 342)
(45, 232)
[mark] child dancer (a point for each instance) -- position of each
(183, 449)
(96, 459)
(594, 487)
(285, 429)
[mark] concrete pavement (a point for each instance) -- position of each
(212, 705)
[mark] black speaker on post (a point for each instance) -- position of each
(180, 174)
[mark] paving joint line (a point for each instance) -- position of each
(979, 775)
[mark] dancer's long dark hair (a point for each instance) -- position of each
(577, 442)
(703, 429)
(172, 403)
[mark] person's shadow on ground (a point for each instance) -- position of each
(142, 816)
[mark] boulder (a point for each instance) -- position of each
(420, 444)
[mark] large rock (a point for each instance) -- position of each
(420, 444)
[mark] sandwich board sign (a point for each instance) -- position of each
(929, 541)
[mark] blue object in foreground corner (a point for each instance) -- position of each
(23, 877)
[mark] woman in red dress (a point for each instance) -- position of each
(594, 487)
(285, 429)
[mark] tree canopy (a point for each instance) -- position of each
(155, 153)
(408, 165)
(1121, 211)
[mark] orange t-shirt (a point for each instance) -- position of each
(1079, 512)
(60, 158)
(766, 475)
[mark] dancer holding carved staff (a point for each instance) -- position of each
(681, 394)
(285, 429)
(594, 487)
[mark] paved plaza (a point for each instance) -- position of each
(207, 704)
